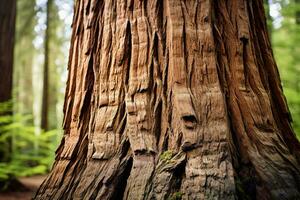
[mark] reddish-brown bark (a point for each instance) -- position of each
(173, 99)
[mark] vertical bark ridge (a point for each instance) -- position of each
(259, 135)
(206, 166)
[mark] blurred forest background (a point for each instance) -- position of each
(30, 135)
(30, 123)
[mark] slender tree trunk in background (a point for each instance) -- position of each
(52, 115)
(24, 58)
(54, 54)
(26, 92)
(7, 34)
(173, 99)
(45, 98)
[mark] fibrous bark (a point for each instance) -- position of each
(173, 99)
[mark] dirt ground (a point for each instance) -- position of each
(32, 183)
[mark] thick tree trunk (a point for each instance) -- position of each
(173, 99)
(7, 34)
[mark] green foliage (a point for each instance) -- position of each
(166, 156)
(286, 47)
(31, 151)
(176, 196)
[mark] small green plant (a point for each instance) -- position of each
(166, 156)
(176, 196)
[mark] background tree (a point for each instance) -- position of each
(52, 54)
(56, 65)
(45, 100)
(24, 59)
(171, 99)
(7, 35)
(31, 150)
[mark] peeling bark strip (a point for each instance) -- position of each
(173, 99)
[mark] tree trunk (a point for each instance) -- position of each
(173, 100)
(7, 34)
(45, 96)
(24, 59)
(54, 57)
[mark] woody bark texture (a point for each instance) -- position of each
(173, 99)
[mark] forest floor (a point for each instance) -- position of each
(31, 184)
